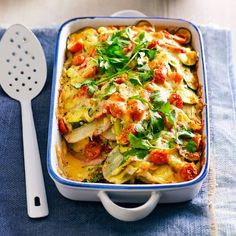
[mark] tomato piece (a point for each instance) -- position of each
(83, 92)
(152, 44)
(103, 37)
(136, 109)
(77, 47)
(121, 79)
(160, 74)
(92, 72)
(188, 172)
(62, 126)
(116, 97)
(128, 48)
(176, 77)
(116, 109)
(123, 137)
(92, 150)
(176, 100)
(158, 157)
(78, 59)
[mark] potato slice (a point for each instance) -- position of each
(88, 130)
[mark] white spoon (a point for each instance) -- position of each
(23, 75)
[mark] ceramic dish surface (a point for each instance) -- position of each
(108, 193)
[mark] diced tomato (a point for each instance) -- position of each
(176, 100)
(152, 44)
(188, 172)
(77, 47)
(136, 109)
(116, 109)
(92, 150)
(78, 59)
(62, 126)
(92, 72)
(123, 137)
(160, 74)
(83, 92)
(103, 37)
(128, 48)
(158, 157)
(116, 97)
(121, 79)
(176, 77)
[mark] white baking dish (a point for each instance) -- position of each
(149, 194)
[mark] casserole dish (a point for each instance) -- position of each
(151, 194)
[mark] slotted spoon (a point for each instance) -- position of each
(23, 75)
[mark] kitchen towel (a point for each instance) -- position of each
(213, 209)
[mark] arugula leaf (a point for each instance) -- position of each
(156, 123)
(156, 100)
(141, 38)
(146, 75)
(139, 142)
(110, 89)
(91, 84)
(135, 81)
(191, 146)
(140, 153)
(151, 53)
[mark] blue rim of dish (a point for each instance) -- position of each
(108, 186)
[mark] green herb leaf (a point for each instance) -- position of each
(91, 84)
(135, 81)
(191, 146)
(151, 53)
(140, 153)
(146, 75)
(110, 89)
(156, 123)
(139, 142)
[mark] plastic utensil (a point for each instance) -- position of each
(23, 75)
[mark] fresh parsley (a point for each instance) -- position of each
(139, 143)
(91, 84)
(191, 146)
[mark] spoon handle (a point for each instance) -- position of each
(35, 190)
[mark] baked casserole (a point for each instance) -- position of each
(130, 106)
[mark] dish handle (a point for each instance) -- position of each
(129, 214)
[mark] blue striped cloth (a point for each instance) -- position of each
(89, 218)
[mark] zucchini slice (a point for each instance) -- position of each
(187, 95)
(189, 58)
(184, 34)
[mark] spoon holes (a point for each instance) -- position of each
(34, 70)
(19, 46)
(7, 60)
(26, 52)
(24, 39)
(27, 65)
(35, 82)
(16, 79)
(29, 78)
(33, 57)
(17, 90)
(23, 84)
(10, 85)
(30, 89)
(20, 59)
(17, 33)
(9, 72)
(12, 40)
(14, 67)
(22, 72)
(13, 54)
